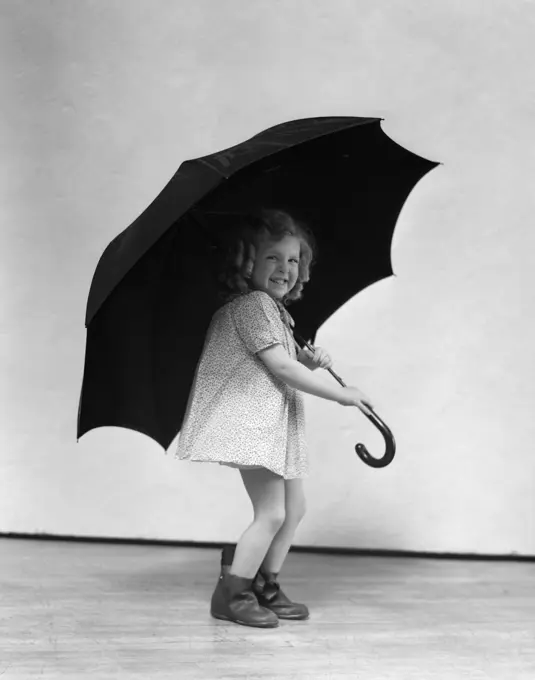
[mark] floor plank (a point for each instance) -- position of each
(74, 610)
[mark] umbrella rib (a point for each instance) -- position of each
(212, 167)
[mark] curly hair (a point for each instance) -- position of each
(240, 250)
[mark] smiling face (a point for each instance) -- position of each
(276, 266)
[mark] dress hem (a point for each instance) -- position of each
(237, 466)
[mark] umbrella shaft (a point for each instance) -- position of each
(337, 377)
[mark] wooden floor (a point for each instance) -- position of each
(76, 610)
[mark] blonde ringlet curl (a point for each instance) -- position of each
(238, 263)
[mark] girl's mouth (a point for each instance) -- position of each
(278, 283)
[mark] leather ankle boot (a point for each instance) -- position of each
(234, 600)
(269, 594)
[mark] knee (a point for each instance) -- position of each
(295, 501)
(300, 511)
(296, 511)
(273, 519)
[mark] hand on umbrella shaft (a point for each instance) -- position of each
(355, 397)
(315, 358)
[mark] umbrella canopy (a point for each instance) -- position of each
(154, 292)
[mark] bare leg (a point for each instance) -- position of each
(266, 491)
(295, 507)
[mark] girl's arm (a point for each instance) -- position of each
(295, 375)
(304, 358)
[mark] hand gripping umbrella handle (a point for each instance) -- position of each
(361, 450)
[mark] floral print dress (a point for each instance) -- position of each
(238, 413)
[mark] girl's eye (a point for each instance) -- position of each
(293, 259)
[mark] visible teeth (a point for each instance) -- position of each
(278, 281)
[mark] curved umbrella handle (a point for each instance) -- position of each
(390, 451)
(361, 449)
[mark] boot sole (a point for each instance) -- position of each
(222, 617)
(294, 618)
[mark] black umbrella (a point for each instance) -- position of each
(153, 293)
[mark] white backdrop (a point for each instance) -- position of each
(102, 101)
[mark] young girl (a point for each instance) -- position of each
(245, 409)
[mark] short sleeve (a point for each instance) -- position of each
(257, 321)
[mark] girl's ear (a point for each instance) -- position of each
(239, 254)
(249, 262)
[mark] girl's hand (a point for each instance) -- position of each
(317, 359)
(352, 396)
